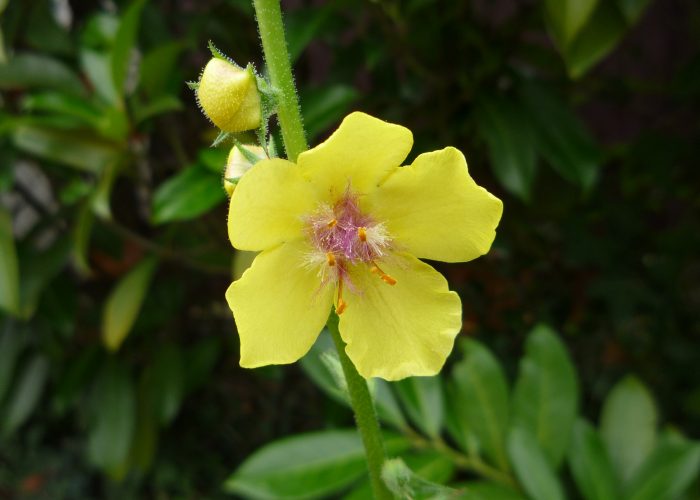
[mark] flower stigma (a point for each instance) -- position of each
(341, 236)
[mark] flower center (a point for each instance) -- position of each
(342, 235)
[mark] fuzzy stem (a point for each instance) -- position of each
(365, 415)
(274, 45)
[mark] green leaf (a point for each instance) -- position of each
(158, 66)
(590, 464)
(26, 394)
(404, 483)
(166, 383)
(38, 71)
(596, 40)
(158, 106)
(302, 26)
(561, 137)
(429, 466)
(388, 409)
(12, 343)
(65, 104)
(423, 399)
(668, 471)
(628, 426)
(323, 107)
(482, 490)
(113, 411)
(124, 303)
(74, 149)
(511, 141)
(545, 397)
(457, 420)
(78, 373)
(313, 465)
(96, 66)
(632, 9)
(37, 270)
(124, 44)
(186, 195)
(481, 382)
(567, 17)
(81, 237)
(9, 267)
(532, 467)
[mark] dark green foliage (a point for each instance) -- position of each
(582, 121)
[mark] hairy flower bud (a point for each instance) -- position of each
(237, 165)
(229, 96)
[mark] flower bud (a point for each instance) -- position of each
(237, 165)
(228, 95)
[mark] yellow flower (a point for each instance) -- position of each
(229, 96)
(346, 227)
(237, 165)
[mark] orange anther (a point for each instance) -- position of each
(362, 233)
(330, 258)
(341, 305)
(340, 308)
(332, 223)
(388, 279)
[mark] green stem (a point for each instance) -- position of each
(271, 30)
(274, 45)
(365, 415)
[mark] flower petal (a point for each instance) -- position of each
(401, 330)
(267, 205)
(278, 306)
(435, 210)
(362, 152)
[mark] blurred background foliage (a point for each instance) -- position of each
(118, 357)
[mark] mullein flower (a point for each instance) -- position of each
(345, 227)
(228, 96)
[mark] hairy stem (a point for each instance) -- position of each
(274, 45)
(365, 415)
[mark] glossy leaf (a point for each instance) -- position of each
(38, 71)
(96, 66)
(186, 195)
(590, 464)
(423, 399)
(113, 418)
(632, 9)
(326, 106)
(124, 43)
(74, 149)
(9, 267)
(429, 466)
(561, 137)
(668, 471)
(481, 383)
(405, 483)
(124, 303)
(65, 104)
(26, 393)
(532, 466)
(157, 68)
(600, 36)
(11, 344)
(545, 397)
(302, 26)
(313, 465)
(509, 136)
(567, 17)
(483, 490)
(628, 426)
(37, 269)
(166, 384)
